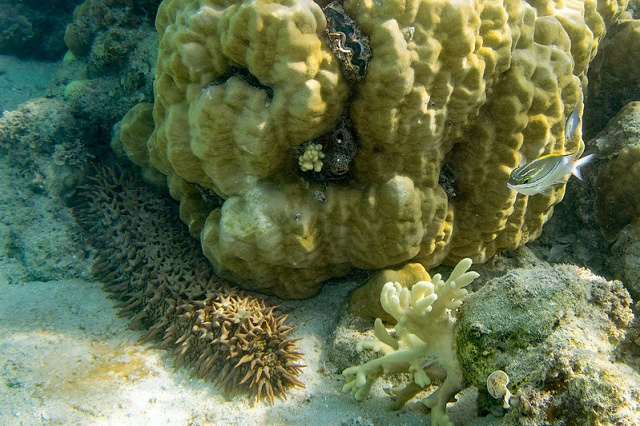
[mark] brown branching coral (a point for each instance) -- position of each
(149, 262)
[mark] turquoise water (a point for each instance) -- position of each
(88, 265)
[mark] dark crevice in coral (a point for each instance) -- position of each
(339, 148)
(247, 78)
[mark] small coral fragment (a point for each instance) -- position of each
(497, 386)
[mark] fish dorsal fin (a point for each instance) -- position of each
(557, 154)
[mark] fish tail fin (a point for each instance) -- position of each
(579, 163)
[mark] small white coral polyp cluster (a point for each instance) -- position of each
(424, 346)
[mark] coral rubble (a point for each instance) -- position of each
(45, 141)
(460, 88)
(155, 269)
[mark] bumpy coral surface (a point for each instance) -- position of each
(155, 269)
(466, 87)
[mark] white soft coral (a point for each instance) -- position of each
(424, 347)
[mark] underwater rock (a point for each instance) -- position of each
(617, 202)
(614, 79)
(555, 330)
(34, 29)
(107, 31)
(109, 66)
(623, 260)
(45, 140)
(615, 178)
(42, 159)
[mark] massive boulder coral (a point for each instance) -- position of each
(455, 93)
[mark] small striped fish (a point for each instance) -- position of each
(540, 175)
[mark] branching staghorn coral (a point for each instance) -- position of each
(149, 262)
(424, 346)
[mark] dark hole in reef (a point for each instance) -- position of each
(246, 77)
(339, 148)
(447, 180)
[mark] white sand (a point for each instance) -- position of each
(67, 358)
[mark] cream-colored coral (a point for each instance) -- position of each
(75, 88)
(455, 92)
(311, 159)
(424, 346)
(365, 300)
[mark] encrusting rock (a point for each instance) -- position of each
(555, 331)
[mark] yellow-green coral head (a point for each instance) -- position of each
(243, 88)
